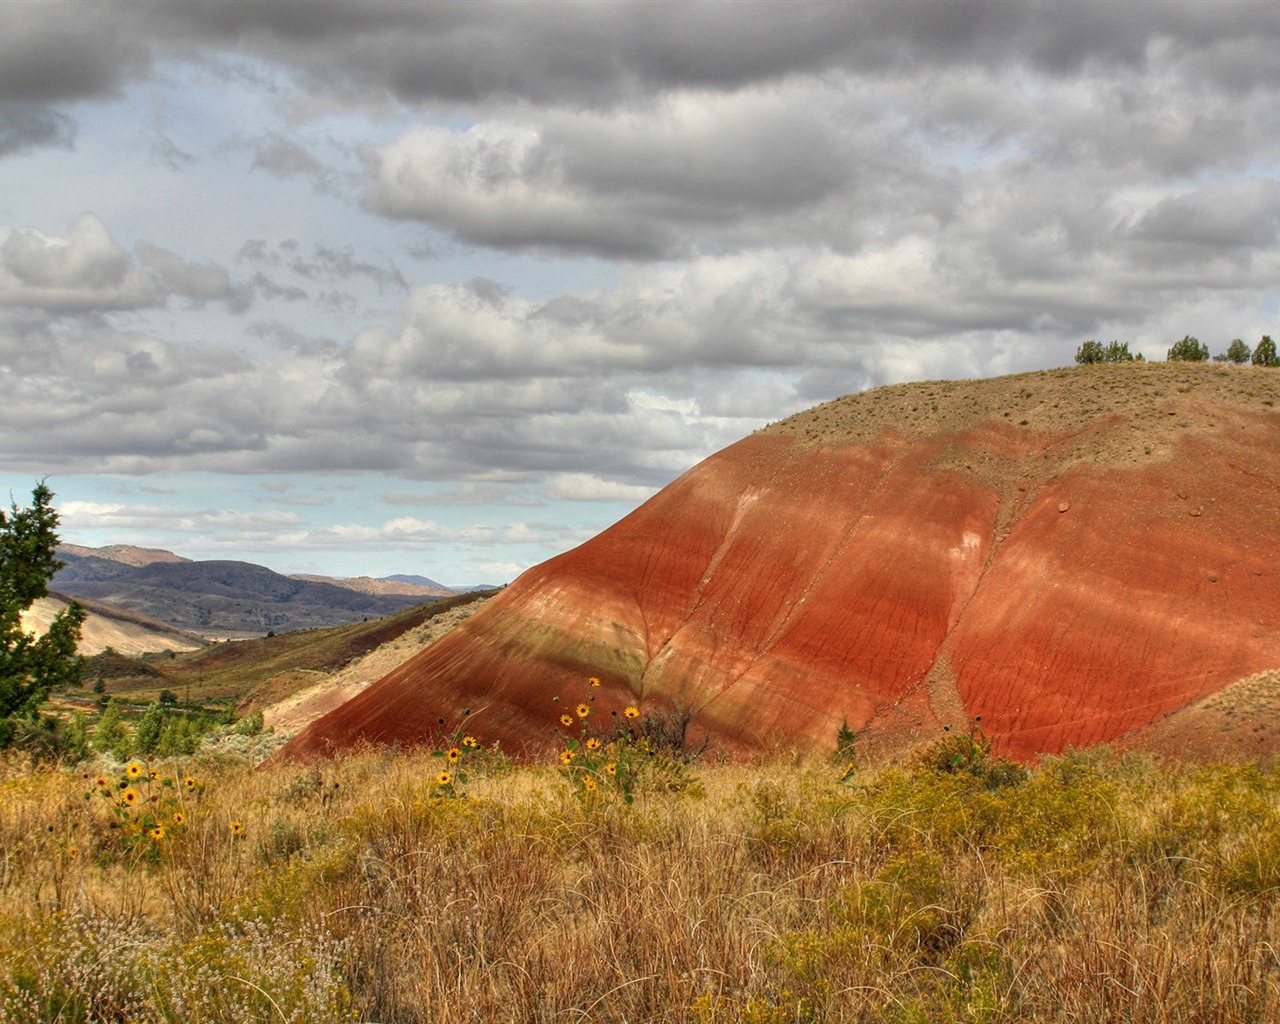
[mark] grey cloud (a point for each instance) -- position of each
(56, 52)
(564, 53)
(558, 52)
(1244, 214)
(260, 284)
(342, 264)
(200, 282)
(284, 158)
(25, 126)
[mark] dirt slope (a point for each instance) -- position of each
(1072, 555)
(105, 627)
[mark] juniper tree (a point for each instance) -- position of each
(31, 666)
(1265, 353)
(1238, 351)
(1190, 350)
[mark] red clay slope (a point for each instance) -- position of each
(1070, 555)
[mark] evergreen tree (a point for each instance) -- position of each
(1189, 350)
(110, 734)
(1090, 352)
(1238, 351)
(1265, 353)
(31, 666)
(147, 736)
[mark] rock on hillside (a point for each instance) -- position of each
(1069, 555)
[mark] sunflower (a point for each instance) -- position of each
(631, 711)
(566, 720)
(566, 757)
(129, 797)
(189, 783)
(594, 681)
(156, 832)
(179, 819)
(470, 741)
(583, 710)
(589, 784)
(443, 779)
(453, 755)
(237, 828)
(102, 782)
(134, 771)
(153, 775)
(593, 744)
(611, 768)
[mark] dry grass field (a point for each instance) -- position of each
(455, 886)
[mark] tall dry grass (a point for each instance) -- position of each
(1095, 889)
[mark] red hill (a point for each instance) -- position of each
(1072, 555)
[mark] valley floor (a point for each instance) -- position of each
(453, 886)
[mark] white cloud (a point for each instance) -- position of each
(600, 247)
(86, 270)
(588, 487)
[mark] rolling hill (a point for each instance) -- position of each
(1066, 558)
(218, 599)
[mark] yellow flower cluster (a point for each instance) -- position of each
(592, 762)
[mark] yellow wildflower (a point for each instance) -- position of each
(583, 710)
(453, 755)
(101, 782)
(179, 819)
(594, 681)
(469, 741)
(589, 784)
(443, 779)
(631, 711)
(566, 756)
(134, 771)
(237, 828)
(566, 720)
(611, 768)
(593, 744)
(189, 782)
(156, 833)
(129, 797)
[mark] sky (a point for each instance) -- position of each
(447, 288)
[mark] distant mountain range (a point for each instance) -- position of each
(229, 598)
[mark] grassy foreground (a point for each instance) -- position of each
(1096, 889)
